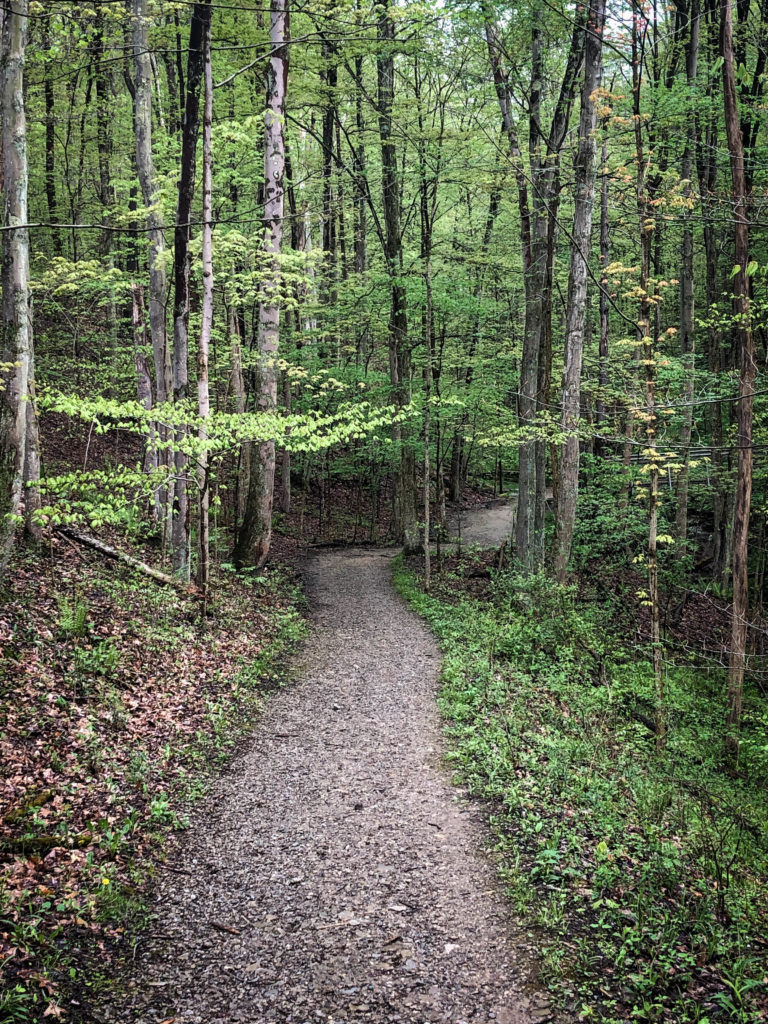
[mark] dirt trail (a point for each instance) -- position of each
(337, 875)
(487, 526)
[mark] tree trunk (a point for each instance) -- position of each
(646, 356)
(103, 132)
(255, 535)
(404, 522)
(329, 78)
(687, 297)
(143, 376)
(16, 371)
(161, 355)
(50, 141)
(201, 17)
(238, 391)
(206, 323)
(284, 498)
(581, 241)
(605, 306)
(747, 373)
(145, 168)
(537, 235)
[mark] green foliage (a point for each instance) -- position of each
(100, 660)
(73, 617)
(647, 875)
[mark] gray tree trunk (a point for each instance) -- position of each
(16, 371)
(206, 324)
(201, 17)
(687, 329)
(405, 524)
(255, 535)
(575, 320)
(145, 167)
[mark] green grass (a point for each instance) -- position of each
(645, 876)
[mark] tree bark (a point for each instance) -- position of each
(405, 526)
(201, 17)
(537, 218)
(145, 168)
(50, 141)
(581, 241)
(605, 306)
(747, 372)
(16, 371)
(206, 324)
(687, 293)
(161, 354)
(255, 535)
(141, 366)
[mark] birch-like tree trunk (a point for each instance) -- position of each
(161, 353)
(145, 166)
(575, 319)
(17, 465)
(206, 323)
(255, 535)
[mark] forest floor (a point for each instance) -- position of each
(336, 874)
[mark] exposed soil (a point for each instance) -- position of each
(336, 874)
(486, 526)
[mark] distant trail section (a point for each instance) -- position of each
(336, 875)
(485, 527)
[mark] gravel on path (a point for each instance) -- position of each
(336, 875)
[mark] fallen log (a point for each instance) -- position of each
(106, 549)
(43, 844)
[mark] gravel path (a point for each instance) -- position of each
(337, 875)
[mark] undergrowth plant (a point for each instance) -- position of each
(646, 875)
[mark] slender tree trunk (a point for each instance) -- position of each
(103, 132)
(32, 501)
(404, 523)
(161, 354)
(201, 17)
(206, 324)
(581, 241)
(141, 366)
(145, 169)
(646, 356)
(359, 166)
(238, 391)
(427, 411)
(330, 258)
(747, 372)
(50, 140)
(16, 370)
(255, 535)
(284, 497)
(605, 306)
(687, 295)
(537, 236)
